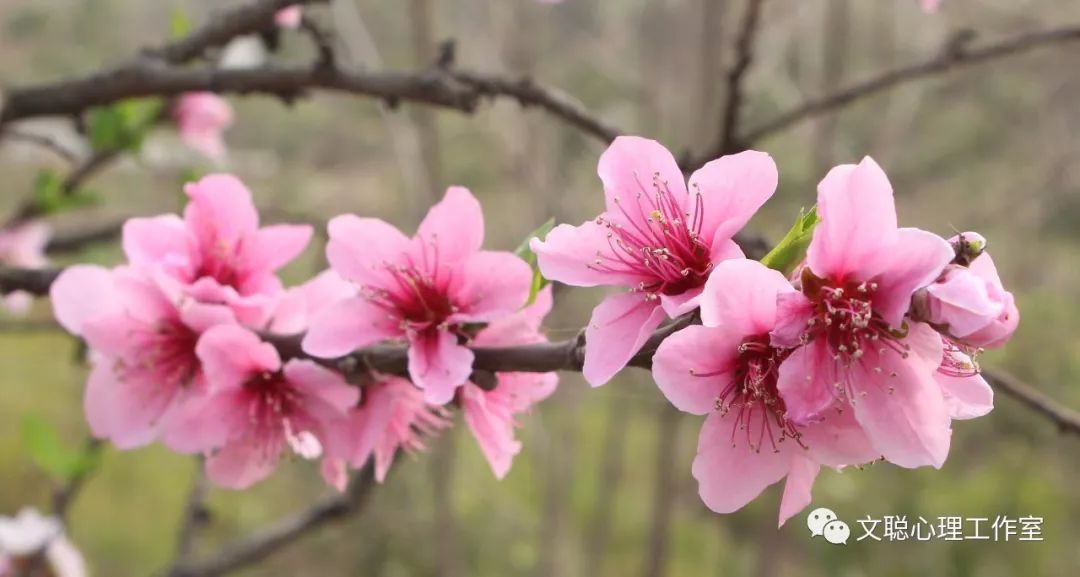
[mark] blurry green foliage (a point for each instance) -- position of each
(124, 125)
(50, 196)
(42, 443)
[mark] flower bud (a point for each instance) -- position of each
(968, 246)
(969, 304)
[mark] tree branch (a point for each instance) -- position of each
(263, 543)
(1067, 420)
(736, 80)
(954, 57)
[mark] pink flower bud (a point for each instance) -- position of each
(201, 118)
(971, 304)
(289, 17)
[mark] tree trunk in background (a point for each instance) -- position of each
(834, 60)
(665, 490)
(607, 487)
(422, 19)
(711, 58)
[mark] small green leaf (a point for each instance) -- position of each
(43, 444)
(526, 254)
(48, 191)
(792, 248)
(179, 24)
(124, 125)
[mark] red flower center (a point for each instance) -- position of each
(655, 238)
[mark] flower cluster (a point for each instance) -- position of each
(866, 352)
(178, 354)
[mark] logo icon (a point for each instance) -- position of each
(823, 522)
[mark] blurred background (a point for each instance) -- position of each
(603, 485)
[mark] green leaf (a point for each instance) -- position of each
(526, 254)
(179, 24)
(43, 444)
(792, 248)
(50, 197)
(124, 125)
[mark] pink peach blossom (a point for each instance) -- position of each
(142, 332)
(971, 306)
(423, 289)
(654, 238)
(23, 245)
(930, 6)
(299, 305)
(728, 370)
(394, 415)
(256, 406)
(217, 251)
(855, 349)
(201, 118)
(490, 415)
(289, 17)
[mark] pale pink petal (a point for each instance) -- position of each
(493, 427)
(244, 462)
(1001, 330)
(809, 382)
(200, 317)
(272, 247)
(905, 416)
(618, 328)
(729, 472)
(918, 259)
(231, 355)
(438, 364)
(322, 383)
(142, 296)
(682, 303)
(630, 169)
(793, 312)
(930, 6)
(741, 296)
(114, 334)
(724, 249)
(18, 302)
(732, 189)
(206, 422)
(582, 256)
(858, 221)
(837, 440)
(128, 412)
(489, 285)
(519, 328)
(82, 292)
(334, 473)
(693, 366)
(454, 226)
(966, 397)
(347, 325)
(963, 302)
(221, 211)
(361, 249)
(800, 480)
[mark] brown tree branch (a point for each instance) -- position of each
(261, 544)
(951, 58)
(1066, 419)
(736, 80)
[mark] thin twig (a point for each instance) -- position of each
(43, 141)
(263, 543)
(736, 79)
(950, 59)
(64, 495)
(194, 514)
(1067, 420)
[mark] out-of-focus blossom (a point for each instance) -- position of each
(257, 406)
(201, 119)
(394, 415)
(23, 245)
(289, 17)
(143, 334)
(217, 250)
(656, 238)
(491, 415)
(31, 540)
(423, 289)
(242, 53)
(930, 6)
(855, 350)
(728, 370)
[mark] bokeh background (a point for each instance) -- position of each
(603, 485)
